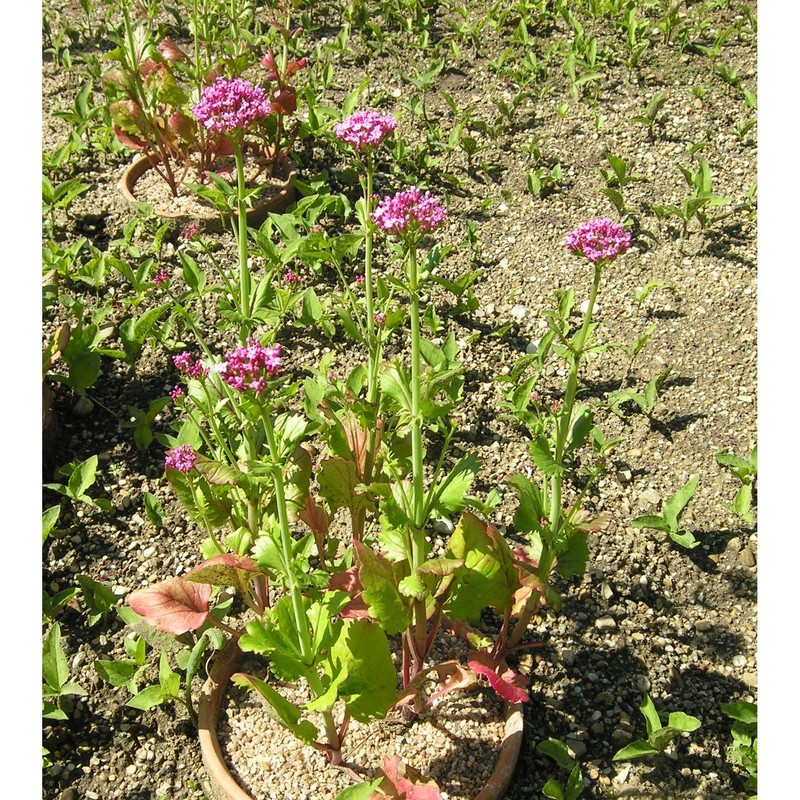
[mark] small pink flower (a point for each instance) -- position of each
(535, 397)
(317, 229)
(249, 366)
(598, 240)
(190, 231)
(365, 129)
(231, 105)
(176, 394)
(555, 406)
(181, 458)
(291, 278)
(359, 279)
(379, 318)
(409, 210)
(161, 276)
(187, 365)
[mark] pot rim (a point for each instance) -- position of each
(225, 787)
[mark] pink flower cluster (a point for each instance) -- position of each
(291, 278)
(598, 240)
(187, 365)
(410, 208)
(160, 277)
(176, 393)
(379, 318)
(190, 231)
(181, 458)
(230, 105)
(365, 129)
(248, 367)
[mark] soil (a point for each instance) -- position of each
(648, 615)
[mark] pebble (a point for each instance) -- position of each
(750, 679)
(519, 312)
(739, 660)
(605, 623)
(703, 625)
(532, 346)
(576, 749)
(746, 558)
(443, 526)
(83, 407)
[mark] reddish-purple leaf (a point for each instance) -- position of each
(174, 606)
(509, 685)
(170, 52)
(401, 782)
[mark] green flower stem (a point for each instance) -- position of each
(416, 414)
(241, 208)
(373, 345)
(218, 268)
(556, 481)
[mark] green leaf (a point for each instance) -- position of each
(558, 751)
(573, 557)
(154, 510)
(489, 575)
(381, 590)
(574, 783)
(285, 712)
(450, 495)
(362, 652)
(338, 479)
(55, 670)
(651, 521)
(146, 699)
(49, 519)
(683, 722)
(684, 539)
(635, 749)
(651, 718)
(543, 457)
(742, 712)
(117, 673)
(532, 504)
(83, 476)
(362, 791)
(552, 790)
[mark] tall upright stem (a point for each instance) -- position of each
(244, 271)
(416, 421)
(372, 344)
(548, 549)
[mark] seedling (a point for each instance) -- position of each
(658, 734)
(616, 179)
(646, 401)
(745, 470)
(560, 754)
(669, 521)
(542, 181)
(142, 421)
(80, 477)
(649, 116)
(55, 675)
(744, 750)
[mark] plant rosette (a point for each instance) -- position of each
(466, 746)
(210, 205)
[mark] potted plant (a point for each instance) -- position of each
(154, 95)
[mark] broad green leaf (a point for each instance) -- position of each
(338, 479)
(83, 477)
(742, 712)
(146, 699)
(117, 673)
(683, 722)
(635, 749)
(574, 785)
(532, 504)
(362, 651)
(99, 598)
(381, 590)
(450, 495)
(543, 457)
(153, 509)
(572, 559)
(488, 577)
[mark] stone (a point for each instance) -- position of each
(605, 623)
(519, 312)
(703, 625)
(443, 526)
(746, 558)
(576, 749)
(83, 407)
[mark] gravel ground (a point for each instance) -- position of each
(648, 616)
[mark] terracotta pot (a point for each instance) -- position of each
(224, 787)
(276, 201)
